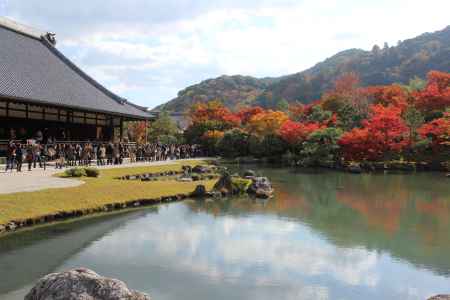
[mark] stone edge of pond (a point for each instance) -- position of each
(15, 225)
(349, 167)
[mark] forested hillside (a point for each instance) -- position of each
(380, 66)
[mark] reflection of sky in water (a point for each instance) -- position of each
(181, 254)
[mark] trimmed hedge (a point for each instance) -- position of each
(75, 172)
(80, 172)
(92, 172)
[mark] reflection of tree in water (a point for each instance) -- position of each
(406, 215)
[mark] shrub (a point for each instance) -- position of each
(75, 172)
(196, 177)
(92, 172)
(240, 185)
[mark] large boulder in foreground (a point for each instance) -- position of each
(82, 284)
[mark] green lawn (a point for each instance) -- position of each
(95, 192)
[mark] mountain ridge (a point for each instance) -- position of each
(413, 57)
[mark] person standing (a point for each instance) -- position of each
(10, 156)
(109, 154)
(36, 149)
(44, 156)
(60, 157)
(19, 157)
(116, 154)
(102, 154)
(29, 156)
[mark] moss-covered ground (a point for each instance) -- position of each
(96, 192)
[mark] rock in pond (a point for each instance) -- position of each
(199, 192)
(354, 168)
(82, 284)
(249, 173)
(261, 188)
(185, 179)
(200, 169)
(186, 169)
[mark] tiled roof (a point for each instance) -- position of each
(32, 69)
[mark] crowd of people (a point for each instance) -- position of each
(35, 154)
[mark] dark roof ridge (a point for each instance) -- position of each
(140, 107)
(88, 78)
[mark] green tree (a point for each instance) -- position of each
(416, 84)
(321, 146)
(282, 105)
(413, 119)
(349, 117)
(162, 127)
(234, 143)
(318, 114)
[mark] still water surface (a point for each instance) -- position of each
(325, 235)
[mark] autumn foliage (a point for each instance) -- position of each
(349, 123)
(295, 133)
(382, 134)
(436, 94)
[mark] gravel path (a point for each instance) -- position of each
(38, 179)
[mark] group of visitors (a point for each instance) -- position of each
(63, 155)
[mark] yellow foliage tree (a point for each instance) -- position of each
(267, 122)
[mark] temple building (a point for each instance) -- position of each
(44, 95)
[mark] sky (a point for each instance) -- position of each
(148, 50)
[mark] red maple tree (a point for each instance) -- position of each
(383, 133)
(436, 94)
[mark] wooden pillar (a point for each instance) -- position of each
(121, 129)
(146, 131)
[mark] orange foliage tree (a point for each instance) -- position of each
(246, 114)
(137, 131)
(394, 95)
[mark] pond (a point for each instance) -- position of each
(325, 235)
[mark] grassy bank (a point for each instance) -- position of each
(95, 192)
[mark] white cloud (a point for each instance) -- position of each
(183, 42)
